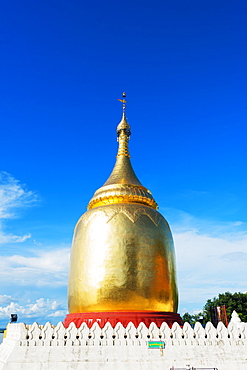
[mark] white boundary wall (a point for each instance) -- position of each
(48, 347)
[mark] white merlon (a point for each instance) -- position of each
(48, 347)
(235, 319)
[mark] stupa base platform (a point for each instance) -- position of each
(45, 347)
(124, 317)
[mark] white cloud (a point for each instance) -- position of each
(41, 268)
(57, 314)
(9, 238)
(13, 196)
(40, 308)
(211, 258)
(55, 305)
(6, 299)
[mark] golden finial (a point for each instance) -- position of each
(124, 101)
(123, 132)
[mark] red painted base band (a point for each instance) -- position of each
(124, 317)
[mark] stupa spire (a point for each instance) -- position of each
(123, 132)
(122, 186)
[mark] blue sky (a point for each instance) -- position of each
(63, 65)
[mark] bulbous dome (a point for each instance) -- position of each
(122, 256)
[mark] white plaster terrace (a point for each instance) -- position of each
(34, 347)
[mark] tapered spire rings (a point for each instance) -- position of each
(122, 186)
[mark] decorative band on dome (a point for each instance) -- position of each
(122, 194)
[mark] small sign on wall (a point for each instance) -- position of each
(156, 344)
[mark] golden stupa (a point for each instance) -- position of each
(122, 257)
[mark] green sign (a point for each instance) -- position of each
(156, 344)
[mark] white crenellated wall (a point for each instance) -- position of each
(49, 335)
(34, 347)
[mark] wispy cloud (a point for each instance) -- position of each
(40, 268)
(6, 299)
(211, 257)
(10, 238)
(13, 197)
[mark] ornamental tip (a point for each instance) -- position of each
(124, 101)
(123, 124)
